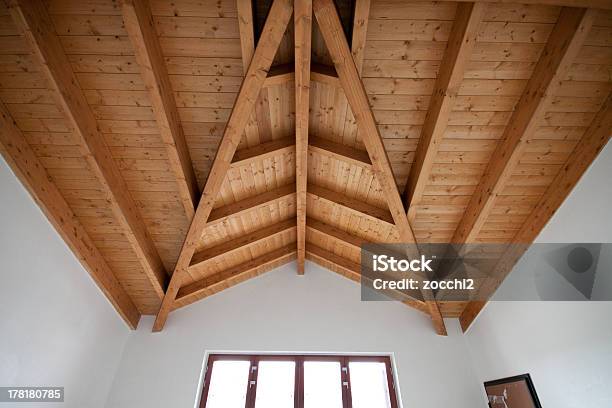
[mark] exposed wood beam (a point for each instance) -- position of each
(360, 29)
(567, 37)
(263, 151)
(339, 151)
(247, 31)
(592, 142)
(197, 290)
(351, 240)
(354, 204)
(275, 26)
(336, 233)
(348, 269)
(330, 26)
(141, 30)
(456, 57)
(248, 204)
(247, 49)
(352, 85)
(303, 37)
(34, 177)
(241, 242)
(596, 4)
(33, 21)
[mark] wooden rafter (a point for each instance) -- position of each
(250, 203)
(197, 290)
(330, 26)
(340, 151)
(274, 28)
(360, 29)
(241, 242)
(247, 48)
(349, 269)
(32, 20)
(141, 29)
(303, 39)
(567, 37)
(592, 142)
(32, 174)
(355, 205)
(263, 151)
(456, 57)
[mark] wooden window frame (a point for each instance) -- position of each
(299, 360)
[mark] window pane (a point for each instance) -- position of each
(369, 387)
(228, 384)
(275, 384)
(322, 384)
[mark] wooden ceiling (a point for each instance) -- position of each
(177, 158)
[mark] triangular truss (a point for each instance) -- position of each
(348, 76)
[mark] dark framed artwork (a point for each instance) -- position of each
(512, 392)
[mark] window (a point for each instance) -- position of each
(295, 381)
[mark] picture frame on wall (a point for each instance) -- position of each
(512, 392)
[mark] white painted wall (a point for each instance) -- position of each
(56, 327)
(565, 346)
(280, 311)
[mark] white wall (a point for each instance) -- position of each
(56, 327)
(565, 346)
(280, 311)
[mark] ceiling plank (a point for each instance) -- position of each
(241, 242)
(196, 290)
(348, 269)
(456, 57)
(303, 38)
(33, 21)
(263, 151)
(141, 30)
(275, 26)
(32, 174)
(354, 204)
(568, 35)
(330, 26)
(592, 142)
(250, 203)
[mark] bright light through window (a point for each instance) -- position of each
(298, 381)
(369, 388)
(228, 384)
(322, 384)
(275, 384)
